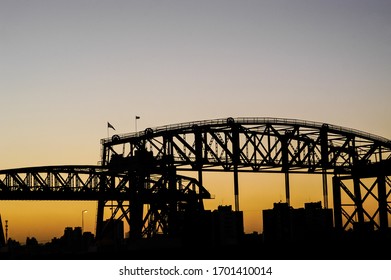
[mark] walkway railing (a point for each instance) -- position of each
(255, 121)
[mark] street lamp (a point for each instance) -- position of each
(82, 220)
(6, 231)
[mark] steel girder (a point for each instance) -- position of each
(263, 145)
(164, 197)
(54, 183)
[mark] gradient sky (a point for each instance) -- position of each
(68, 67)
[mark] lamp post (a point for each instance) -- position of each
(6, 231)
(82, 220)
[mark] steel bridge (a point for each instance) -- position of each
(139, 174)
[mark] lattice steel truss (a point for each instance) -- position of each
(138, 177)
(257, 145)
(121, 193)
(362, 199)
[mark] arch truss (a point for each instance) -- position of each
(139, 182)
(261, 145)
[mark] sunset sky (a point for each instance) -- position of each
(69, 67)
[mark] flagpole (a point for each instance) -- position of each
(109, 125)
(135, 122)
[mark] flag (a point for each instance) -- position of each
(110, 126)
(137, 117)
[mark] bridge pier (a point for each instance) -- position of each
(337, 204)
(325, 191)
(285, 162)
(236, 161)
(287, 189)
(365, 180)
(136, 205)
(358, 199)
(236, 188)
(382, 193)
(99, 219)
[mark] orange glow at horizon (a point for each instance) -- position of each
(45, 220)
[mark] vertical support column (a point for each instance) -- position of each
(172, 219)
(100, 210)
(103, 178)
(285, 164)
(324, 150)
(104, 155)
(337, 204)
(236, 188)
(172, 199)
(382, 196)
(358, 199)
(99, 219)
(356, 173)
(200, 176)
(236, 160)
(143, 163)
(198, 153)
(136, 206)
(325, 192)
(6, 232)
(287, 188)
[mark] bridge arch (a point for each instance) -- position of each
(259, 144)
